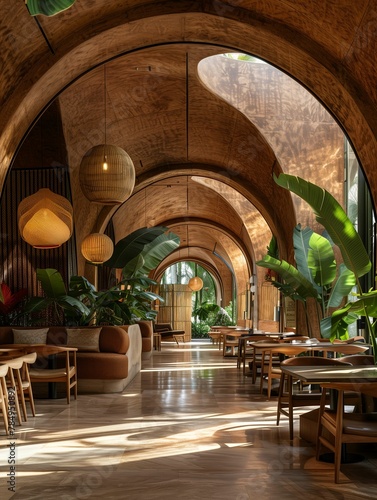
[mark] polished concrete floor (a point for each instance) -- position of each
(188, 427)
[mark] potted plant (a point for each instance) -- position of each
(355, 259)
(128, 301)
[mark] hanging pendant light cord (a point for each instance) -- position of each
(105, 166)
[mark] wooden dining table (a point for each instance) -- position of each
(311, 347)
(366, 375)
(336, 373)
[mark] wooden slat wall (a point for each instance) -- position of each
(18, 260)
(176, 308)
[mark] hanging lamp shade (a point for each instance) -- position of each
(195, 284)
(48, 7)
(45, 219)
(97, 248)
(107, 175)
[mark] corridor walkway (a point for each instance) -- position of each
(189, 427)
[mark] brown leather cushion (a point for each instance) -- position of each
(107, 366)
(114, 339)
(146, 344)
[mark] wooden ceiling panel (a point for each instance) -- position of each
(160, 112)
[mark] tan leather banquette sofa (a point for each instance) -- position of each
(106, 367)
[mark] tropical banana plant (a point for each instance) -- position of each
(355, 258)
(316, 275)
(82, 305)
(141, 251)
(124, 303)
(64, 308)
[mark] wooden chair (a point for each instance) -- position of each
(14, 380)
(358, 359)
(67, 375)
(361, 402)
(26, 386)
(345, 427)
(288, 400)
(247, 351)
(229, 341)
(257, 356)
(3, 396)
(270, 364)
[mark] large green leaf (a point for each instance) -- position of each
(52, 283)
(332, 216)
(301, 239)
(321, 260)
(343, 286)
(298, 283)
(366, 305)
(36, 304)
(132, 245)
(153, 253)
(340, 331)
(48, 7)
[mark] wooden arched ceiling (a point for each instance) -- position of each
(159, 110)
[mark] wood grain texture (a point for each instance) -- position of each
(232, 125)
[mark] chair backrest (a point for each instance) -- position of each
(288, 350)
(15, 363)
(358, 359)
(30, 358)
(3, 370)
(312, 361)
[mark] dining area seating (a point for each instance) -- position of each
(337, 428)
(21, 367)
(340, 422)
(16, 388)
(288, 398)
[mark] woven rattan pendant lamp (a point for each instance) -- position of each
(195, 284)
(97, 248)
(107, 173)
(45, 219)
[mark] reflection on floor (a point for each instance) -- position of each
(190, 427)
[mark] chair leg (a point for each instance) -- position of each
(20, 392)
(68, 388)
(31, 400)
(30, 394)
(290, 406)
(319, 428)
(281, 391)
(338, 437)
(4, 405)
(16, 402)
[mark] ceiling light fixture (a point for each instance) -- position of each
(97, 248)
(45, 219)
(107, 172)
(195, 284)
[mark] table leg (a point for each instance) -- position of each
(52, 386)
